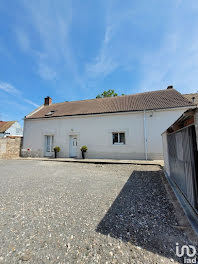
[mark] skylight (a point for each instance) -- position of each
(50, 113)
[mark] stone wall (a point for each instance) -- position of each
(10, 147)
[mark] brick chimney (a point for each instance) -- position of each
(47, 100)
(170, 87)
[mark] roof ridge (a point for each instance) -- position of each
(118, 96)
(158, 99)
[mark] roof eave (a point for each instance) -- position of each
(102, 113)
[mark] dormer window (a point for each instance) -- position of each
(50, 113)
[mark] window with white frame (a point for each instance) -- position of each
(118, 138)
(49, 142)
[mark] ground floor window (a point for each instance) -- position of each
(118, 138)
(49, 142)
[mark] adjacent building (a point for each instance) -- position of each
(10, 128)
(180, 141)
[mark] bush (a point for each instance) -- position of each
(83, 148)
(57, 149)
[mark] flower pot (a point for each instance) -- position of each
(55, 154)
(83, 154)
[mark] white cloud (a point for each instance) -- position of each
(30, 102)
(104, 63)
(174, 63)
(51, 25)
(8, 88)
(114, 53)
(11, 90)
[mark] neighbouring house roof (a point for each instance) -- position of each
(162, 99)
(4, 125)
(193, 97)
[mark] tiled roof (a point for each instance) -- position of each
(4, 125)
(169, 98)
(193, 97)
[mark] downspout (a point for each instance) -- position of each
(145, 137)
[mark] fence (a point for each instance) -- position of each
(182, 152)
(10, 147)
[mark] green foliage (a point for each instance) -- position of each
(109, 93)
(83, 148)
(57, 149)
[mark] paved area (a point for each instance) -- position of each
(56, 212)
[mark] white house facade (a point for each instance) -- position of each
(10, 128)
(131, 132)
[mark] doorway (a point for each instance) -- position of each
(73, 147)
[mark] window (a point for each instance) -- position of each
(118, 138)
(49, 141)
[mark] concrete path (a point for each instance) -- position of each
(100, 161)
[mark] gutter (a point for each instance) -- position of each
(145, 137)
(102, 113)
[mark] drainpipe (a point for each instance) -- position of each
(145, 137)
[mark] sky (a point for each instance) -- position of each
(74, 50)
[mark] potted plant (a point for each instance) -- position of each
(83, 150)
(56, 150)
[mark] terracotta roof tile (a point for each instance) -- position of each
(169, 98)
(192, 96)
(4, 125)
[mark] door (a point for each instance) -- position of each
(49, 141)
(73, 146)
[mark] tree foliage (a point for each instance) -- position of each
(109, 93)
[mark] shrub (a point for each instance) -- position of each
(57, 149)
(83, 148)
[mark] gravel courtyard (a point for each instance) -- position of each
(57, 212)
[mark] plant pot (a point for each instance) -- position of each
(83, 154)
(55, 154)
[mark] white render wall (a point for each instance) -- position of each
(96, 133)
(15, 130)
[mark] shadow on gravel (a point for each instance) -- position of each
(143, 215)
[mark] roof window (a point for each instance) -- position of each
(50, 113)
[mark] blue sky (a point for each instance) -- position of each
(72, 50)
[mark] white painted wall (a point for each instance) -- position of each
(96, 133)
(15, 130)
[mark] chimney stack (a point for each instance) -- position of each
(170, 87)
(47, 100)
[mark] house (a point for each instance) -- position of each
(10, 128)
(180, 141)
(193, 97)
(122, 127)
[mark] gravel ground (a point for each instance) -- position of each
(53, 212)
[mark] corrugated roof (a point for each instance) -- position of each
(162, 99)
(193, 97)
(4, 125)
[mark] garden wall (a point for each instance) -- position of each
(10, 147)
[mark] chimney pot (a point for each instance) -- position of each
(47, 100)
(170, 87)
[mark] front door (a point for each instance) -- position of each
(49, 142)
(73, 147)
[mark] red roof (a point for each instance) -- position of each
(162, 99)
(4, 125)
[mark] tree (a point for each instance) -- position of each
(109, 93)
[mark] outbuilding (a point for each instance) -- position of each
(180, 143)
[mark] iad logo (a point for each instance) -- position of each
(189, 250)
